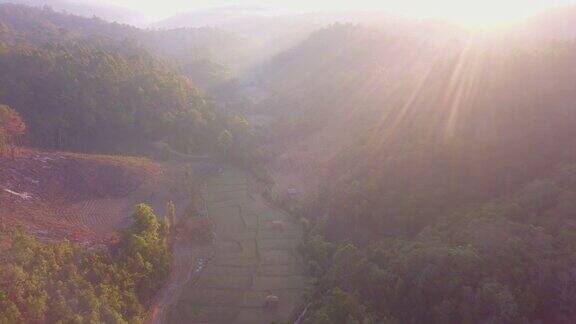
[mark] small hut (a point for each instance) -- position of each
(277, 225)
(272, 301)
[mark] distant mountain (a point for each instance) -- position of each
(207, 55)
(556, 23)
(107, 12)
(272, 30)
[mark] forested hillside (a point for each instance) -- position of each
(85, 84)
(59, 282)
(201, 53)
(445, 163)
(327, 94)
(75, 84)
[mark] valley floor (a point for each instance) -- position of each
(254, 275)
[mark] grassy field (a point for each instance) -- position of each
(255, 257)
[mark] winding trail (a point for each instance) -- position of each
(186, 259)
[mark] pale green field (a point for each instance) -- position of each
(253, 259)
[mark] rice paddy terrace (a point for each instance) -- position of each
(255, 274)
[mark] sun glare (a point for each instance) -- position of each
(478, 13)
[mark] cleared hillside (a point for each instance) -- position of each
(80, 197)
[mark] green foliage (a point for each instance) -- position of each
(224, 141)
(85, 84)
(170, 217)
(12, 127)
(505, 261)
(102, 98)
(63, 282)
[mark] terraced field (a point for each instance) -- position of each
(80, 197)
(255, 258)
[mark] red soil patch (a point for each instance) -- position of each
(83, 198)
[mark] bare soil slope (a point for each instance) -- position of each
(83, 198)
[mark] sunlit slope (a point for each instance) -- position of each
(423, 115)
(445, 169)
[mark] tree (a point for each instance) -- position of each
(11, 128)
(224, 141)
(170, 217)
(62, 282)
(145, 223)
(9, 312)
(145, 252)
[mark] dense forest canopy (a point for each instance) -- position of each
(80, 95)
(85, 84)
(43, 282)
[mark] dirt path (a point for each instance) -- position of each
(186, 258)
(254, 258)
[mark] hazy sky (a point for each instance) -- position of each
(463, 10)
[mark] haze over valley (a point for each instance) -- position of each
(287, 161)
